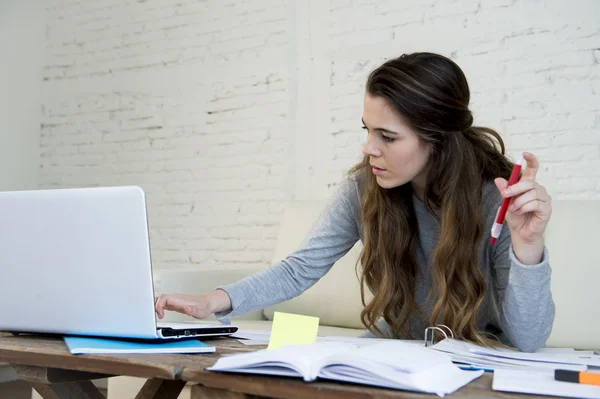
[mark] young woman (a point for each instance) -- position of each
(422, 201)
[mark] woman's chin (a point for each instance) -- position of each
(387, 183)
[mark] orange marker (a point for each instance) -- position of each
(580, 377)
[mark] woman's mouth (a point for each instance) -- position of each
(376, 170)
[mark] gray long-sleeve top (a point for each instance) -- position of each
(517, 307)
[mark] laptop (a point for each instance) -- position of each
(77, 262)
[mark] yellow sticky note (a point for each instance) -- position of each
(293, 329)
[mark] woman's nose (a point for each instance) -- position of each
(370, 149)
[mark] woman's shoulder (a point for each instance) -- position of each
(348, 193)
(355, 180)
(350, 187)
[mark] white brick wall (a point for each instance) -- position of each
(223, 110)
(20, 80)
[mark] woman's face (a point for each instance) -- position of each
(396, 154)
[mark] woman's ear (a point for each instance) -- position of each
(429, 150)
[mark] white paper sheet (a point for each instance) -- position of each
(541, 383)
(253, 342)
(565, 351)
(252, 334)
(261, 337)
(365, 341)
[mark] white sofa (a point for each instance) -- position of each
(335, 299)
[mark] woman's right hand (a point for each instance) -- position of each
(198, 306)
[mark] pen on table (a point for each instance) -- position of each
(514, 177)
(581, 377)
(469, 367)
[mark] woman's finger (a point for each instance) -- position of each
(531, 206)
(165, 302)
(519, 188)
(174, 303)
(501, 183)
(158, 307)
(518, 201)
(532, 166)
(537, 194)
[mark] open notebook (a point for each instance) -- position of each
(389, 364)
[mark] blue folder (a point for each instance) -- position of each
(80, 345)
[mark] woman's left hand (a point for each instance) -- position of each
(528, 213)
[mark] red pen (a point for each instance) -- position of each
(514, 176)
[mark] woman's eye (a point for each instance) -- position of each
(385, 138)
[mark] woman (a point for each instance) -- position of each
(422, 201)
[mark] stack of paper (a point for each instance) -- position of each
(507, 359)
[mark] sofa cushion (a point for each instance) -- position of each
(571, 240)
(335, 298)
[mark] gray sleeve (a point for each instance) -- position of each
(333, 235)
(526, 305)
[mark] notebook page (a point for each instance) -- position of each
(440, 380)
(294, 360)
(399, 355)
(541, 383)
(398, 365)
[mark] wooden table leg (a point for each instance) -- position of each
(53, 383)
(161, 389)
(202, 392)
(68, 390)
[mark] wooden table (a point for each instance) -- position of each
(51, 370)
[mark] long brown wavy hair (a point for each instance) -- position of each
(431, 93)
